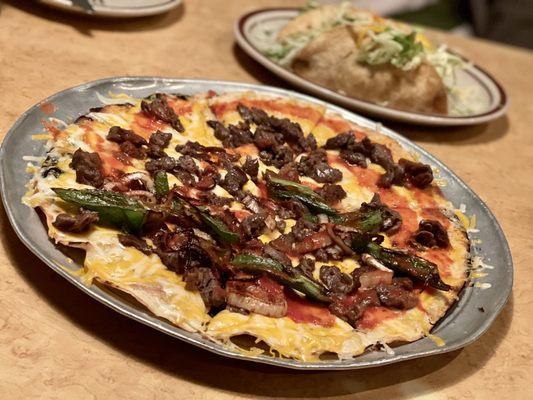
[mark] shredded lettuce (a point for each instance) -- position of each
(309, 5)
(283, 52)
(400, 49)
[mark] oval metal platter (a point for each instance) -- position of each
(463, 324)
(258, 29)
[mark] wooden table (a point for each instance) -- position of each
(57, 343)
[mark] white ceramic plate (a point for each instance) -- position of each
(119, 8)
(254, 30)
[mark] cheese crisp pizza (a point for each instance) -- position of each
(242, 214)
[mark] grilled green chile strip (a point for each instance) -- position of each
(402, 262)
(220, 228)
(254, 264)
(364, 222)
(217, 226)
(161, 184)
(112, 207)
(287, 190)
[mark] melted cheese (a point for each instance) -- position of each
(290, 339)
(145, 277)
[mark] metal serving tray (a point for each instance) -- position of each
(463, 324)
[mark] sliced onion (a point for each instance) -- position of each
(139, 175)
(251, 204)
(313, 242)
(113, 185)
(249, 303)
(322, 219)
(146, 196)
(270, 222)
(370, 280)
(372, 262)
(122, 183)
(344, 228)
(339, 241)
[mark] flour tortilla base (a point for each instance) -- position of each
(164, 294)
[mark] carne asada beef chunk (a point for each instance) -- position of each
(351, 151)
(392, 220)
(403, 282)
(240, 134)
(133, 151)
(154, 151)
(204, 281)
(396, 296)
(278, 156)
(315, 241)
(304, 228)
(186, 170)
(160, 109)
(283, 243)
(206, 153)
(253, 115)
(420, 175)
(315, 165)
(167, 164)
(277, 255)
(119, 135)
(289, 172)
(393, 176)
(331, 193)
(307, 266)
(185, 177)
(75, 223)
(157, 143)
(233, 135)
(88, 167)
(209, 198)
(193, 149)
(275, 131)
(208, 179)
(168, 241)
(181, 251)
(354, 158)
(309, 143)
(251, 166)
(344, 140)
(293, 134)
(187, 163)
(431, 234)
(266, 138)
(253, 225)
(291, 209)
(328, 253)
(161, 139)
(351, 309)
(219, 130)
(334, 280)
(129, 240)
(381, 155)
(234, 180)
(354, 152)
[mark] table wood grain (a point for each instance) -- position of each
(56, 343)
